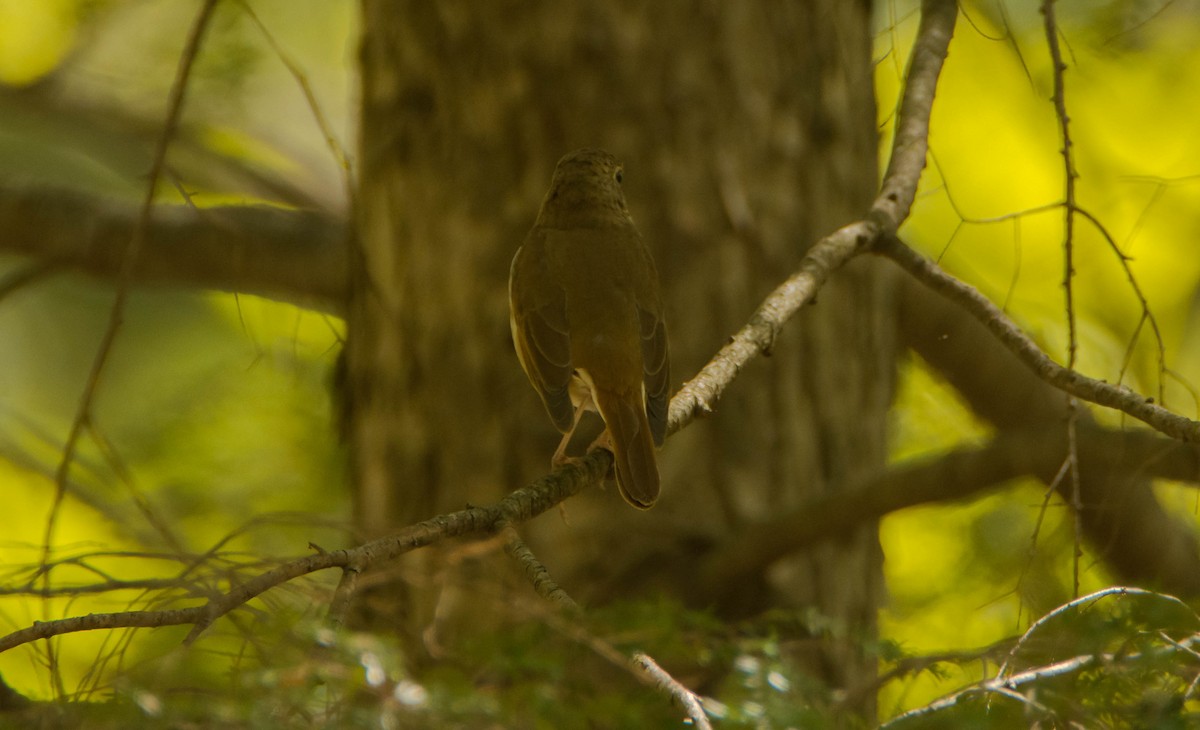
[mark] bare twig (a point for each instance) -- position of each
(538, 576)
(331, 140)
(1076, 603)
(642, 664)
(1070, 175)
(1017, 342)
(639, 664)
(1009, 686)
(343, 595)
(125, 273)
(124, 279)
(658, 677)
(517, 507)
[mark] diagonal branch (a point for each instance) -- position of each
(1017, 342)
(641, 664)
(955, 475)
(518, 507)
(83, 415)
(128, 258)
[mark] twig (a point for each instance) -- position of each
(911, 141)
(1017, 342)
(1147, 314)
(757, 546)
(83, 415)
(658, 677)
(538, 576)
(1070, 175)
(331, 140)
(1072, 605)
(343, 595)
(1007, 686)
(642, 664)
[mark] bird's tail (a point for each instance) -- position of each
(632, 446)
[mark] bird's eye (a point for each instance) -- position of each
(618, 175)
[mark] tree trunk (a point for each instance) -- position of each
(747, 132)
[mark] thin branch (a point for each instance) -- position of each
(1147, 314)
(343, 595)
(517, 507)
(658, 677)
(331, 140)
(911, 142)
(909, 665)
(125, 272)
(1009, 686)
(639, 664)
(642, 664)
(83, 415)
(538, 576)
(1017, 342)
(1076, 603)
(954, 475)
(1069, 177)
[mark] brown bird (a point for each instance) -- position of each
(587, 319)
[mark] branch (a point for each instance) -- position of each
(1017, 342)
(951, 476)
(517, 507)
(640, 663)
(911, 142)
(1060, 111)
(1122, 517)
(129, 254)
(294, 255)
(537, 574)
(657, 677)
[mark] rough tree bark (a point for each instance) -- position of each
(746, 130)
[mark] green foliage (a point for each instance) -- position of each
(1118, 658)
(287, 670)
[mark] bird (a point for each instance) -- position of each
(587, 320)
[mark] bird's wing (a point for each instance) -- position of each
(656, 370)
(540, 332)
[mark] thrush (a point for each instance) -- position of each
(587, 319)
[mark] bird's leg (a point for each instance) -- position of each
(560, 457)
(603, 441)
